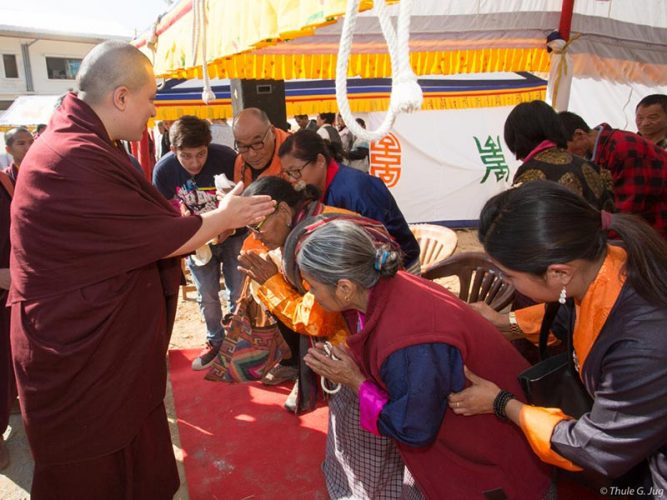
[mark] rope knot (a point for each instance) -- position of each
(208, 95)
(406, 95)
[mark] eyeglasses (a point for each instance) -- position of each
(296, 173)
(257, 228)
(255, 146)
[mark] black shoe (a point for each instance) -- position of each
(206, 357)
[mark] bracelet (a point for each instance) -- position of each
(500, 404)
(515, 329)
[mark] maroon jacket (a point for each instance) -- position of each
(90, 296)
(471, 455)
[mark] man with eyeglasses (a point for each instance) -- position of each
(257, 142)
(185, 177)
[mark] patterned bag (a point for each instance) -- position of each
(252, 346)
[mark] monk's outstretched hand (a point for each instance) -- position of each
(240, 211)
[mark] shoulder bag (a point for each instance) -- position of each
(252, 345)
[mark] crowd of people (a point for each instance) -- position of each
(429, 404)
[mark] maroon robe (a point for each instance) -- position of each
(91, 299)
(7, 386)
(471, 455)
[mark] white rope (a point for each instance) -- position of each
(199, 23)
(406, 94)
(195, 32)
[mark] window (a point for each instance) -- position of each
(11, 68)
(61, 68)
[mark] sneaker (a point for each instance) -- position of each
(291, 403)
(206, 357)
(279, 374)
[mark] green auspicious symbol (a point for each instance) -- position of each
(491, 154)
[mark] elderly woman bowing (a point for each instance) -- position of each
(356, 464)
(411, 340)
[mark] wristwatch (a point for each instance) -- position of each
(514, 325)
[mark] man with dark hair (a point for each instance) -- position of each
(95, 287)
(305, 123)
(17, 143)
(638, 166)
(164, 146)
(39, 130)
(651, 119)
(359, 155)
(186, 178)
(326, 129)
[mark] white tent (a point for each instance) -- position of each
(440, 165)
(29, 110)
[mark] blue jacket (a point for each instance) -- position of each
(368, 196)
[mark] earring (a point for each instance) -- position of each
(563, 296)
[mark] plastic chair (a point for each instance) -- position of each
(480, 280)
(435, 242)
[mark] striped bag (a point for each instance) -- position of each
(252, 345)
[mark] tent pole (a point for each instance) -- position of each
(560, 74)
(566, 19)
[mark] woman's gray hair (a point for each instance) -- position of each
(341, 249)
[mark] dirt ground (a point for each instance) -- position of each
(189, 333)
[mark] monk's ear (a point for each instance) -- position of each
(119, 97)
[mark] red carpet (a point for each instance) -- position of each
(240, 443)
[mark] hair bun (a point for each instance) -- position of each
(386, 261)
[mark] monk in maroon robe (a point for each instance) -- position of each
(94, 290)
(7, 385)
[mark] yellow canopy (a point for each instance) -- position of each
(276, 39)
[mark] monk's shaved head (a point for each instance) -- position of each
(110, 65)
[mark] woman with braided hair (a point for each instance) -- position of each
(410, 341)
(554, 246)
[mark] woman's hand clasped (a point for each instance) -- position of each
(259, 267)
(343, 370)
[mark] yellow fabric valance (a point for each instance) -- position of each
(323, 66)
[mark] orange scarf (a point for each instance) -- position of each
(594, 309)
